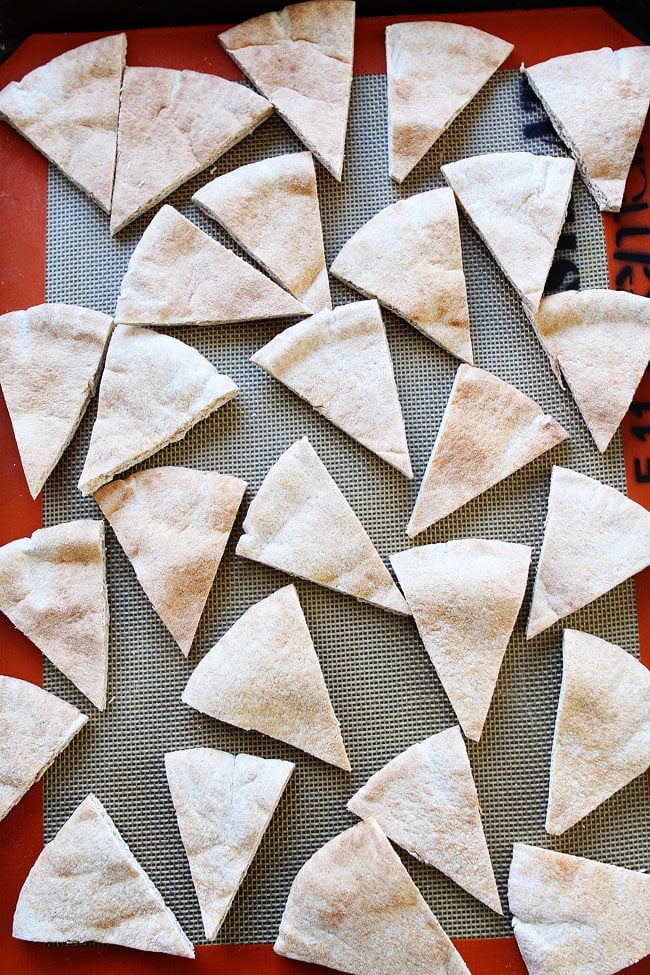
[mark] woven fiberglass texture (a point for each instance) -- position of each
(383, 687)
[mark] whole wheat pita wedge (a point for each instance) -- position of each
(35, 727)
(434, 70)
(172, 125)
(465, 596)
(300, 522)
(300, 58)
(599, 341)
(50, 357)
(517, 203)
(224, 804)
(174, 524)
(488, 431)
(354, 907)
(598, 102)
(408, 257)
(271, 209)
(576, 915)
(362, 399)
(153, 390)
(264, 674)
(177, 275)
(53, 589)
(425, 800)
(594, 539)
(68, 110)
(86, 885)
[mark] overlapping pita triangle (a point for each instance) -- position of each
(36, 727)
(465, 596)
(408, 256)
(594, 539)
(300, 58)
(489, 430)
(576, 915)
(362, 399)
(153, 390)
(517, 202)
(602, 133)
(174, 524)
(271, 209)
(354, 907)
(53, 589)
(172, 125)
(224, 804)
(86, 885)
(434, 70)
(300, 522)
(177, 275)
(264, 674)
(68, 110)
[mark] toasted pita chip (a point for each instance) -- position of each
(174, 524)
(86, 885)
(354, 907)
(425, 800)
(68, 110)
(301, 59)
(465, 596)
(154, 389)
(264, 674)
(576, 915)
(50, 357)
(408, 257)
(300, 522)
(599, 341)
(594, 539)
(517, 203)
(53, 589)
(271, 209)
(601, 132)
(489, 430)
(35, 727)
(434, 70)
(224, 804)
(362, 399)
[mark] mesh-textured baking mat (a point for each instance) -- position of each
(383, 687)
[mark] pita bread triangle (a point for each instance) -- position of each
(174, 524)
(177, 275)
(300, 58)
(465, 596)
(224, 804)
(434, 70)
(602, 729)
(271, 209)
(139, 408)
(425, 800)
(53, 589)
(517, 203)
(362, 400)
(408, 256)
(68, 110)
(354, 907)
(86, 885)
(599, 341)
(36, 727)
(300, 522)
(576, 915)
(264, 674)
(485, 418)
(602, 133)
(594, 539)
